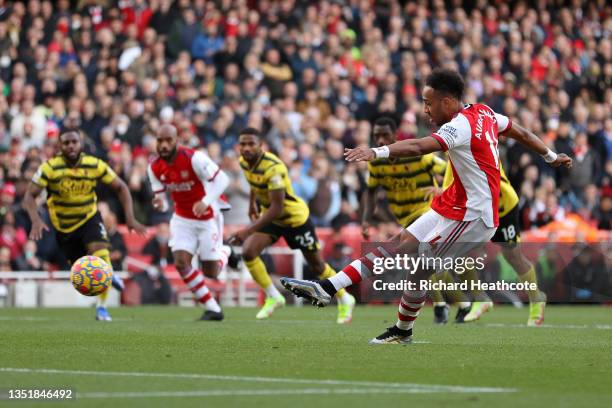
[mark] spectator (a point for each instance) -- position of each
(12, 237)
(326, 202)
(585, 169)
(238, 192)
(585, 276)
(276, 73)
(29, 260)
(29, 126)
(339, 256)
(157, 247)
(208, 43)
(6, 264)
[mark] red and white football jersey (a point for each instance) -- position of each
(471, 141)
(184, 178)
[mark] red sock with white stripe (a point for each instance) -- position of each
(195, 281)
(409, 308)
(357, 270)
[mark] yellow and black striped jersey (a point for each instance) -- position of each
(270, 173)
(71, 191)
(402, 179)
(508, 199)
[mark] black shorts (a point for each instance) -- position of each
(508, 231)
(303, 237)
(74, 244)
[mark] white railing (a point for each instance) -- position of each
(49, 288)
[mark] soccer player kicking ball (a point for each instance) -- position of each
(70, 179)
(284, 215)
(466, 212)
(409, 184)
(195, 183)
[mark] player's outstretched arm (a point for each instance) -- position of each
(29, 203)
(532, 142)
(403, 148)
(277, 197)
(128, 207)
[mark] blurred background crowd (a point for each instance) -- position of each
(313, 76)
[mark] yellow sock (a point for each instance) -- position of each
(328, 273)
(455, 296)
(530, 277)
(478, 295)
(259, 273)
(436, 295)
(105, 255)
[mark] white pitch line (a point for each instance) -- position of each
(24, 318)
(259, 392)
(554, 326)
(215, 377)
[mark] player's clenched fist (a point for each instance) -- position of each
(238, 237)
(562, 160)
(199, 208)
(159, 203)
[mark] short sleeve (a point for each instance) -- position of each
(372, 180)
(453, 134)
(41, 177)
(503, 123)
(275, 177)
(204, 167)
(156, 185)
(108, 175)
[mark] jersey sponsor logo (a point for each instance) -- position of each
(177, 187)
(448, 132)
(69, 186)
(398, 183)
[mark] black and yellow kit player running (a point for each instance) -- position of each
(72, 201)
(403, 180)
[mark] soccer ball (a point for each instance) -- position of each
(91, 276)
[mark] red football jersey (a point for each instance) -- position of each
(471, 141)
(184, 178)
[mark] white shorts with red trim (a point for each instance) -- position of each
(438, 234)
(202, 238)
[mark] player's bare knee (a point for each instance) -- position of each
(210, 270)
(181, 264)
(249, 253)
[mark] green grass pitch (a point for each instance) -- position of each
(160, 356)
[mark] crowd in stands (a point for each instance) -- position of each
(313, 76)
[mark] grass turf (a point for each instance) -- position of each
(567, 363)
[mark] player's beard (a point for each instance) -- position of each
(73, 158)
